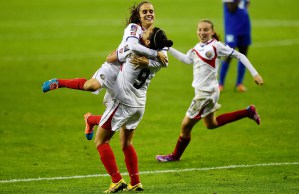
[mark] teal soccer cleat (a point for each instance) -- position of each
(51, 84)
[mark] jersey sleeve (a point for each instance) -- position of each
(132, 31)
(185, 58)
(245, 62)
(224, 50)
(122, 52)
(137, 48)
(157, 63)
(132, 36)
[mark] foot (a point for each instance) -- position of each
(137, 187)
(115, 187)
(88, 128)
(241, 88)
(167, 158)
(51, 84)
(253, 114)
(221, 87)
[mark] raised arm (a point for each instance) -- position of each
(185, 58)
(136, 47)
(257, 78)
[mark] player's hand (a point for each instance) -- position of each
(139, 61)
(258, 80)
(161, 57)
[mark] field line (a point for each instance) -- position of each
(152, 172)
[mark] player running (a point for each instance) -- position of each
(205, 57)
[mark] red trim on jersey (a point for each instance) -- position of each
(107, 124)
(211, 62)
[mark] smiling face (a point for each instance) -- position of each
(147, 15)
(205, 31)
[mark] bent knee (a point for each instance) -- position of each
(92, 85)
(211, 126)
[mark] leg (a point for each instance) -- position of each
(211, 122)
(90, 122)
(223, 72)
(241, 71)
(102, 140)
(131, 159)
(77, 84)
(92, 85)
(182, 143)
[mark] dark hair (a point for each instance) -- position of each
(216, 36)
(134, 10)
(158, 39)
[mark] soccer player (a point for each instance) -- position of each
(237, 35)
(205, 57)
(127, 111)
(141, 18)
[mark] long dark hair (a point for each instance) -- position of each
(158, 39)
(216, 35)
(134, 10)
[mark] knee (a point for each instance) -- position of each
(92, 85)
(99, 142)
(211, 126)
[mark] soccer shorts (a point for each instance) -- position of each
(106, 75)
(234, 40)
(119, 115)
(203, 104)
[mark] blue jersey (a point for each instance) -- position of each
(237, 24)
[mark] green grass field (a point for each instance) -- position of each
(43, 147)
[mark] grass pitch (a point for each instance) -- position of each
(43, 148)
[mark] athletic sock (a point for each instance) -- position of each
(132, 164)
(76, 83)
(94, 120)
(223, 72)
(241, 73)
(231, 117)
(109, 162)
(180, 147)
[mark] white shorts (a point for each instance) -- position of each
(119, 115)
(106, 75)
(203, 104)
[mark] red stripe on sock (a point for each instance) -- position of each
(109, 162)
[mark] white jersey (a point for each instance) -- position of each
(206, 59)
(132, 84)
(107, 73)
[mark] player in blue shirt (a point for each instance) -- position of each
(237, 35)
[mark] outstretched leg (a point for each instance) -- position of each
(76, 83)
(213, 122)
